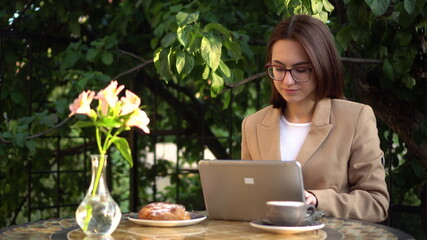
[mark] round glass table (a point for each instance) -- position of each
(334, 228)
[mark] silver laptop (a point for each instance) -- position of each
(238, 189)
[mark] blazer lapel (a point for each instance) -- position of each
(320, 129)
(268, 133)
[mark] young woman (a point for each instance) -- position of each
(335, 140)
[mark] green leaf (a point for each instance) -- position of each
(401, 16)
(247, 50)
(171, 58)
(159, 30)
(343, 37)
(378, 7)
(224, 69)
(74, 27)
(316, 6)
(234, 49)
(19, 139)
(180, 61)
(360, 34)
(227, 99)
(183, 18)
(206, 72)
(61, 106)
(31, 146)
(161, 63)
(422, 25)
(409, 81)
(388, 69)
(184, 63)
(217, 84)
(168, 40)
(357, 13)
(409, 5)
(109, 122)
(382, 52)
(123, 146)
(7, 135)
(17, 97)
(418, 169)
(423, 11)
(70, 59)
(154, 42)
(183, 34)
(403, 38)
(49, 120)
(322, 16)
(220, 28)
(211, 51)
(328, 6)
(107, 58)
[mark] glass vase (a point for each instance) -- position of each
(98, 214)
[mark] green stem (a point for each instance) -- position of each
(98, 174)
(95, 188)
(98, 139)
(107, 142)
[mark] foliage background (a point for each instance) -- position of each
(197, 65)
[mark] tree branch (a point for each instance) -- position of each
(361, 60)
(249, 79)
(133, 55)
(2, 140)
(136, 68)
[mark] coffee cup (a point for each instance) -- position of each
(288, 213)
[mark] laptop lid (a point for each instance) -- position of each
(239, 189)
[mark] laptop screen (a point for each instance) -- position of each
(239, 189)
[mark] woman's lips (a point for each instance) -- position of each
(290, 91)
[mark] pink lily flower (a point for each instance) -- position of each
(130, 103)
(139, 119)
(81, 105)
(108, 96)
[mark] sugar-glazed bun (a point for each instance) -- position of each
(163, 211)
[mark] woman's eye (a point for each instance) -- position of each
(301, 70)
(278, 69)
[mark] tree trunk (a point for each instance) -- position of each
(191, 112)
(403, 118)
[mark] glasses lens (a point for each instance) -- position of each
(301, 74)
(276, 73)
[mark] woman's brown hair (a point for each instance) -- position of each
(318, 42)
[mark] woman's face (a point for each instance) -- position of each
(290, 54)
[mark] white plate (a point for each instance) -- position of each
(286, 229)
(195, 218)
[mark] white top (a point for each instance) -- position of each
(292, 136)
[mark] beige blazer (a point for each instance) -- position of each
(340, 158)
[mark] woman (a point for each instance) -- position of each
(335, 140)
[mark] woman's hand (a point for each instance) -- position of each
(310, 198)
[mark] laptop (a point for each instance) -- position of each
(239, 189)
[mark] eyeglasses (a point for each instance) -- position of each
(299, 74)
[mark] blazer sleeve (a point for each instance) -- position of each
(367, 198)
(245, 155)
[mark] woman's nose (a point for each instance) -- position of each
(288, 79)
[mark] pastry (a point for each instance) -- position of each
(164, 211)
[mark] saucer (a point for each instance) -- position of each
(195, 218)
(305, 227)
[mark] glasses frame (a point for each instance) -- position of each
(267, 66)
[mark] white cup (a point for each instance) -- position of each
(289, 213)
